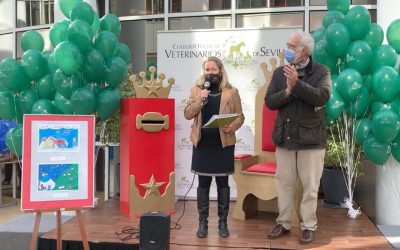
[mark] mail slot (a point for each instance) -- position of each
(152, 122)
(147, 149)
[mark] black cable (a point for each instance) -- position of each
(128, 233)
(177, 225)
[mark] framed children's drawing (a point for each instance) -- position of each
(58, 162)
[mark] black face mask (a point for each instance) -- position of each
(214, 79)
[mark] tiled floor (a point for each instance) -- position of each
(9, 212)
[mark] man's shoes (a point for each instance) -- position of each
(306, 237)
(277, 232)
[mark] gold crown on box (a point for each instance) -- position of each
(151, 88)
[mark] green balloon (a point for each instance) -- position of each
(82, 11)
(335, 106)
(359, 56)
(322, 56)
(106, 42)
(376, 151)
(318, 34)
(58, 32)
(359, 107)
(45, 87)
(7, 106)
(333, 16)
(68, 57)
(25, 101)
(110, 22)
(116, 71)
(377, 106)
(385, 125)
(340, 5)
(393, 35)
(83, 102)
(362, 129)
(383, 55)
(14, 140)
(108, 102)
(3, 88)
(63, 104)
(51, 64)
(32, 40)
(66, 84)
(357, 22)
(34, 64)
(42, 106)
(395, 105)
(67, 5)
(12, 75)
(124, 52)
(338, 39)
(93, 87)
(395, 148)
(334, 81)
(93, 65)
(368, 81)
(95, 24)
(350, 83)
(374, 36)
(80, 33)
(385, 84)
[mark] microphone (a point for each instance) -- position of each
(206, 86)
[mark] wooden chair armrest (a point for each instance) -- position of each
(245, 163)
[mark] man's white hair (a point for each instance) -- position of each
(306, 40)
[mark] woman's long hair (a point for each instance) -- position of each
(224, 81)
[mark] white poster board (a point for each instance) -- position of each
(180, 54)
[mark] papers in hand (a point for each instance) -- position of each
(218, 121)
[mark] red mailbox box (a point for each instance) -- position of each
(147, 177)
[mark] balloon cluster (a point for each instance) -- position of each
(365, 82)
(79, 77)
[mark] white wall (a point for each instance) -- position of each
(388, 176)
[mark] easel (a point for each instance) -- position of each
(59, 225)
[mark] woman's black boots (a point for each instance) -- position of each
(203, 202)
(223, 208)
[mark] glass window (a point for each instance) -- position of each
(270, 20)
(204, 22)
(6, 17)
(6, 46)
(316, 18)
(354, 2)
(34, 12)
(198, 5)
(136, 7)
(45, 35)
(141, 38)
(244, 4)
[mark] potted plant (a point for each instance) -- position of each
(333, 179)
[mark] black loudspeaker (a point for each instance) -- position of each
(154, 231)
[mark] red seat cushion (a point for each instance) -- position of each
(263, 167)
(242, 156)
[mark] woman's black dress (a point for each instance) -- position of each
(209, 157)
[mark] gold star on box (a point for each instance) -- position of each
(152, 89)
(152, 186)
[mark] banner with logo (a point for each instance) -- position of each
(180, 54)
